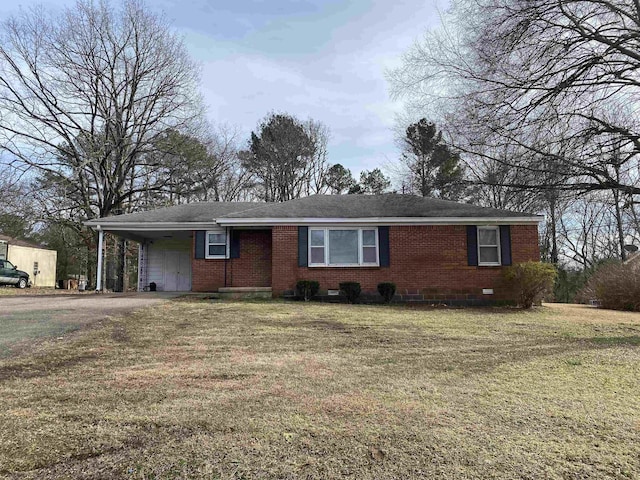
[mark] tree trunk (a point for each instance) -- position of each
(122, 282)
(554, 231)
(619, 225)
(89, 270)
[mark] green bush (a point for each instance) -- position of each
(615, 286)
(387, 290)
(530, 281)
(307, 289)
(351, 290)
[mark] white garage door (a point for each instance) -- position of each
(177, 271)
(169, 265)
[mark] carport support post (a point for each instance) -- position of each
(99, 269)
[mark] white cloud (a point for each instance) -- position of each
(320, 59)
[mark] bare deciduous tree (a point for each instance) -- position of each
(503, 70)
(206, 167)
(84, 94)
(318, 164)
(540, 97)
(589, 232)
(231, 181)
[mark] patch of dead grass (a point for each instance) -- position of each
(292, 390)
(11, 291)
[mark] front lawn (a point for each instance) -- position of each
(11, 291)
(22, 329)
(193, 389)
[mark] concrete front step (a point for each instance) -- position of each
(244, 292)
(243, 289)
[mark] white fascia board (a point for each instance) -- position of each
(248, 222)
(150, 226)
(383, 221)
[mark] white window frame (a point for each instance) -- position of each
(206, 244)
(497, 230)
(360, 263)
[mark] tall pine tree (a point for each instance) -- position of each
(433, 170)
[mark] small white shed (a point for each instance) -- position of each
(38, 261)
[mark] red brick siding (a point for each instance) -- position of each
(424, 260)
(524, 243)
(252, 269)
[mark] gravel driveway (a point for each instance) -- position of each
(25, 319)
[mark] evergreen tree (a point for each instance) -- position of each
(433, 169)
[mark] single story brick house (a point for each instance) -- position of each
(434, 250)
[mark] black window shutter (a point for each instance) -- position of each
(234, 244)
(383, 244)
(303, 246)
(200, 243)
(505, 244)
(472, 245)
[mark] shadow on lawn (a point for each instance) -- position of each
(44, 367)
(632, 340)
(398, 345)
(406, 346)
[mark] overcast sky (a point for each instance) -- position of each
(320, 59)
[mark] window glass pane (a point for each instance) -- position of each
(343, 247)
(317, 238)
(317, 254)
(488, 237)
(216, 250)
(217, 238)
(488, 254)
(369, 255)
(369, 237)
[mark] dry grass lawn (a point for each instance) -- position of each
(193, 389)
(11, 291)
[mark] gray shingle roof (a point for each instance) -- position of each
(188, 212)
(316, 206)
(364, 206)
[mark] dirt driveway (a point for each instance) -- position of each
(28, 319)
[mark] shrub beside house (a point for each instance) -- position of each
(615, 286)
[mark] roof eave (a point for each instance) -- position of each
(149, 226)
(383, 221)
(246, 222)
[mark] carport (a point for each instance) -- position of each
(164, 255)
(166, 240)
